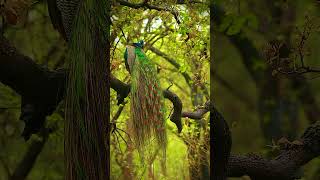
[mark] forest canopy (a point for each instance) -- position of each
(177, 41)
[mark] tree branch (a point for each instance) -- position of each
(199, 113)
(45, 89)
(285, 165)
(221, 139)
(41, 90)
(145, 4)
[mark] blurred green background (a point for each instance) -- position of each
(260, 107)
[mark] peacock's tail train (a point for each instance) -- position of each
(147, 106)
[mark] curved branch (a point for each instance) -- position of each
(221, 138)
(284, 166)
(177, 108)
(199, 113)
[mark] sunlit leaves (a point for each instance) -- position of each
(183, 68)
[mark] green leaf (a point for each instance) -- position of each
(183, 68)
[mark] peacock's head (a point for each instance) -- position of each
(139, 44)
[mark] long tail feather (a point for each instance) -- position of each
(147, 103)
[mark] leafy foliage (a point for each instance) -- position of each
(176, 49)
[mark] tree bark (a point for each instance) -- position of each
(285, 165)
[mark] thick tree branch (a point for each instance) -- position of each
(177, 108)
(41, 90)
(292, 157)
(285, 165)
(220, 136)
(45, 89)
(26, 77)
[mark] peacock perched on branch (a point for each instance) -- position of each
(147, 102)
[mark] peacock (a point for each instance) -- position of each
(147, 102)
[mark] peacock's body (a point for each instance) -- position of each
(147, 108)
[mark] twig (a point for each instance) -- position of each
(145, 4)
